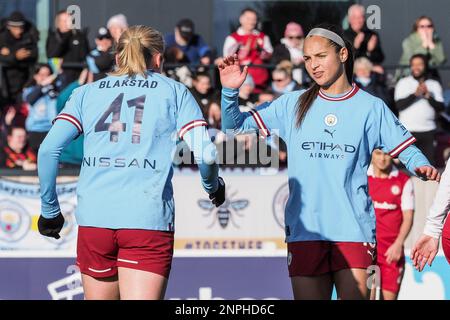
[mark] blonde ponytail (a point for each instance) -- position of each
(135, 49)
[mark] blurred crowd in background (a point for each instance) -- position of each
(32, 93)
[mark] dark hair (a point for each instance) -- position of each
(420, 56)
(36, 69)
(10, 129)
(201, 74)
(307, 98)
(424, 59)
(249, 9)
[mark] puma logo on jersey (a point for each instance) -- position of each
(329, 132)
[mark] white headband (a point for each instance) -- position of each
(327, 34)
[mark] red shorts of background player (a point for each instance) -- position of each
(314, 258)
(391, 273)
(101, 251)
(446, 238)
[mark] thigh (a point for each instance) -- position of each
(391, 277)
(141, 285)
(351, 284)
(312, 288)
(388, 295)
(100, 288)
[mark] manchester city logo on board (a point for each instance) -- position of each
(330, 120)
(15, 221)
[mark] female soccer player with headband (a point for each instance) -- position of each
(330, 130)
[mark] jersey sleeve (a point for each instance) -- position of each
(440, 207)
(191, 128)
(189, 115)
(407, 200)
(387, 132)
(59, 136)
(72, 110)
(266, 119)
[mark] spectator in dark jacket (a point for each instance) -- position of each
(15, 154)
(69, 45)
(202, 91)
(101, 59)
(365, 41)
(372, 82)
(18, 54)
(193, 48)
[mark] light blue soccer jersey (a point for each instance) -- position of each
(130, 128)
(328, 157)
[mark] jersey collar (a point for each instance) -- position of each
(346, 96)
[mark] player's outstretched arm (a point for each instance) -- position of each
(205, 155)
(59, 136)
(418, 164)
(424, 251)
(427, 246)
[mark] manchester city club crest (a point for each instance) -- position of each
(330, 120)
(14, 221)
(279, 203)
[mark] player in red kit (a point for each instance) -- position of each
(392, 194)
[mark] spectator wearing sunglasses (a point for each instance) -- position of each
(423, 40)
(282, 81)
(291, 48)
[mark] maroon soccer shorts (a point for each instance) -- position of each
(314, 258)
(101, 251)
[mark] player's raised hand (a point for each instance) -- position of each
(424, 251)
(428, 173)
(231, 75)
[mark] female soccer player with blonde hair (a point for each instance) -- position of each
(125, 205)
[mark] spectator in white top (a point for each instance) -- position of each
(252, 47)
(419, 99)
(436, 226)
